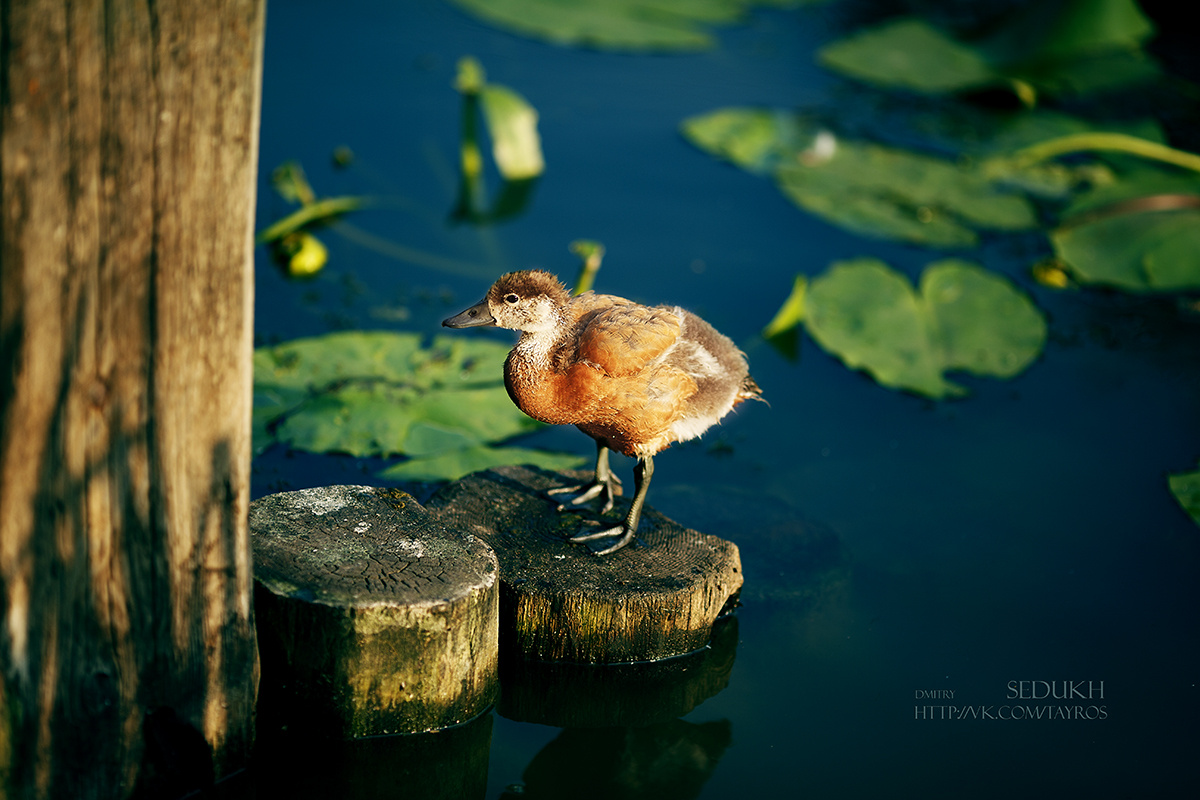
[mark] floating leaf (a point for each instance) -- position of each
(1091, 74)
(755, 139)
(1139, 233)
(382, 393)
(1083, 27)
(985, 326)
(454, 464)
(864, 187)
(616, 24)
(964, 318)
(909, 53)
(1080, 46)
(883, 191)
(1186, 488)
(1148, 251)
(867, 314)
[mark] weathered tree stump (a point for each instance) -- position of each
(374, 617)
(561, 602)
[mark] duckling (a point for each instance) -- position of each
(634, 378)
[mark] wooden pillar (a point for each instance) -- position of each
(128, 152)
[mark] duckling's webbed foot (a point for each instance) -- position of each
(604, 484)
(627, 530)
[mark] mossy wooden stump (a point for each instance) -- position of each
(373, 618)
(654, 599)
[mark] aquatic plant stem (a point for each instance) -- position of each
(1118, 142)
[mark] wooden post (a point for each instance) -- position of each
(373, 618)
(128, 152)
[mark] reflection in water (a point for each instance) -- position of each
(664, 761)
(606, 695)
(622, 736)
(449, 764)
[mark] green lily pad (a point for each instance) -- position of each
(384, 394)
(864, 187)
(1140, 252)
(362, 420)
(867, 314)
(1138, 183)
(1082, 46)
(755, 139)
(454, 464)
(631, 25)
(985, 325)
(1186, 488)
(1139, 233)
(911, 54)
(964, 318)
(1089, 26)
(1091, 74)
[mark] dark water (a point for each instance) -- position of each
(892, 546)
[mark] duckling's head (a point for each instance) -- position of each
(530, 300)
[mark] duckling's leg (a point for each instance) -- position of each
(602, 484)
(642, 471)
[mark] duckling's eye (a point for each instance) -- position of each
(511, 299)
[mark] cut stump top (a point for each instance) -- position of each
(359, 546)
(374, 617)
(654, 599)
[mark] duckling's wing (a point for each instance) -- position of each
(622, 337)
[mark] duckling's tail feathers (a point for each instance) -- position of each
(749, 391)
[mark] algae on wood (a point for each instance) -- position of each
(376, 618)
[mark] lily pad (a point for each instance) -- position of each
(868, 315)
(755, 139)
(1140, 233)
(386, 394)
(1140, 252)
(864, 187)
(629, 25)
(454, 464)
(985, 325)
(1186, 488)
(1083, 27)
(964, 318)
(1080, 46)
(911, 54)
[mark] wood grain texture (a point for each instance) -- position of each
(128, 153)
(373, 617)
(559, 602)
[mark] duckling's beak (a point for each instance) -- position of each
(474, 316)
